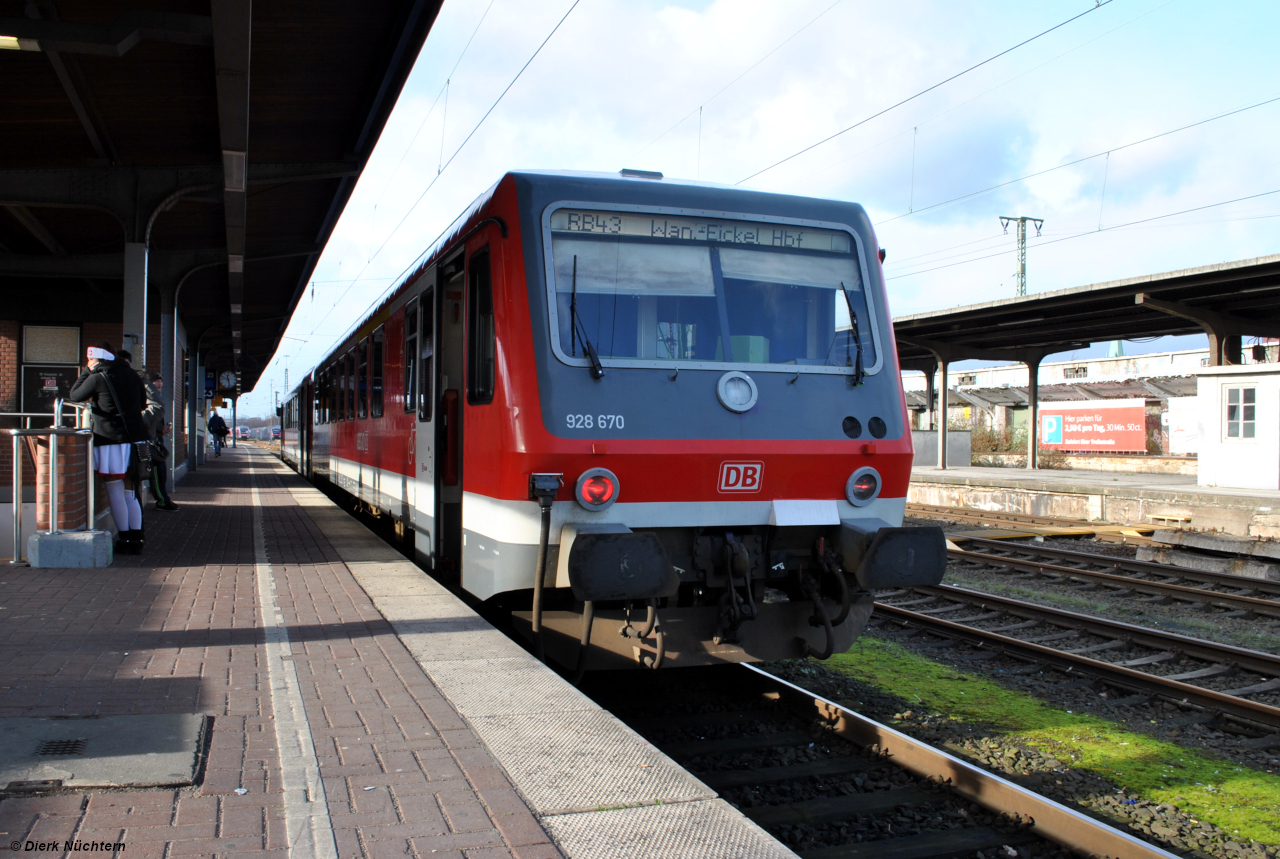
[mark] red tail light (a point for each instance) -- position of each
(863, 486)
(597, 489)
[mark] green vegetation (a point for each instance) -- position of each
(1236, 799)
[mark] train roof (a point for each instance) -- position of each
(640, 184)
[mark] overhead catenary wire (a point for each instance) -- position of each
(987, 92)
(877, 114)
(698, 109)
(431, 109)
(446, 164)
(1093, 232)
(1081, 160)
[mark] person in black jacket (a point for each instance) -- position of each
(117, 399)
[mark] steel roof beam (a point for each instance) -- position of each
(232, 40)
(110, 40)
(134, 194)
(1212, 321)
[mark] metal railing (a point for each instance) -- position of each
(54, 432)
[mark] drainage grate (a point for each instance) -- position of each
(60, 748)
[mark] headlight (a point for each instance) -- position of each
(597, 489)
(863, 486)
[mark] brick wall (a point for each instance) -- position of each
(8, 366)
(92, 333)
(71, 481)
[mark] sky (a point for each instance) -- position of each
(721, 91)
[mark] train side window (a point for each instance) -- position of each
(481, 343)
(351, 385)
(362, 379)
(426, 368)
(376, 373)
(410, 354)
(337, 407)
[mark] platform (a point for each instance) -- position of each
(357, 708)
(1125, 499)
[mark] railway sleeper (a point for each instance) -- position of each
(951, 844)
(734, 745)
(832, 809)
(1203, 673)
(772, 775)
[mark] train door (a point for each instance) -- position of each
(450, 289)
(420, 387)
(305, 428)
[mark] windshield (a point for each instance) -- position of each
(654, 288)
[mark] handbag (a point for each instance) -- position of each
(140, 451)
(158, 450)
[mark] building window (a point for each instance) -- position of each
(1079, 372)
(1241, 410)
(968, 380)
(481, 343)
(375, 386)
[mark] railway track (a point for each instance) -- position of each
(792, 760)
(1239, 596)
(1231, 680)
(1000, 519)
(834, 784)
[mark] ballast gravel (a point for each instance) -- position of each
(1056, 778)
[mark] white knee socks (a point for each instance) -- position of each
(119, 507)
(135, 510)
(125, 509)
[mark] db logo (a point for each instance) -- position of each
(741, 476)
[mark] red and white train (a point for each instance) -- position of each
(625, 404)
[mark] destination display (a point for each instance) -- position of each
(1107, 426)
(750, 233)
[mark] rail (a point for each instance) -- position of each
(1222, 658)
(1048, 819)
(54, 432)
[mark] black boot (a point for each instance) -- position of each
(135, 545)
(123, 546)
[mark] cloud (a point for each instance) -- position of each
(620, 84)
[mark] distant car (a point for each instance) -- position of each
(242, 432)
(275, 432)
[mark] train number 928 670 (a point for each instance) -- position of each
(595, 421)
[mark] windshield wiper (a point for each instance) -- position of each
(857, 338)
(579, 331)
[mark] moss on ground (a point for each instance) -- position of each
(1234, 798)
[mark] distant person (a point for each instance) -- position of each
(117, 399)
(218, 430)
(154, 417)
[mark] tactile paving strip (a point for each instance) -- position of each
(582, 761)
(691, 830)
(504, 687)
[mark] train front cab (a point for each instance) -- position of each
(740, 565)
(752, 504)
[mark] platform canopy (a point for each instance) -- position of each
(162, 155)
(1227, 301)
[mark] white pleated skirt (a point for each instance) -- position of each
(111, 458)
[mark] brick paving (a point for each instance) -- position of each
(179, 629)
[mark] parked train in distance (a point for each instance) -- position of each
(660, 422)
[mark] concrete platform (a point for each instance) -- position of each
(1124, 499)
(358, 708)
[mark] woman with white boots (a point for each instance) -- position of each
(118, 398)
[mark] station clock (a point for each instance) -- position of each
(227, 379)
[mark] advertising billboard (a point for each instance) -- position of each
(1102, 426)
